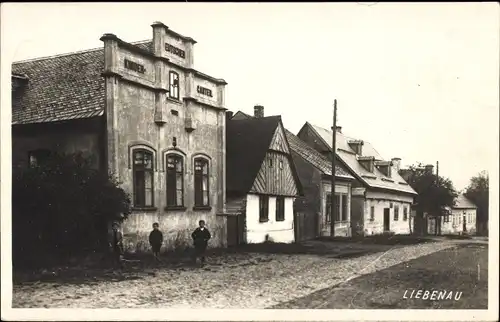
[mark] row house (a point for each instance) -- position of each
(381, 199)
(461, 218)
(142, 112)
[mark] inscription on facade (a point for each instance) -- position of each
(174, 50)
(204, 91)
(134, 66)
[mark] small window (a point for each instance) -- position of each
(174, 85)
(396, 213)
(143, 178)
(175, 180)
(263, 208)
(328, 208)
(280, 208)
(372, 213)
(391, 205)
(405, 213)
(447, 218)
(201, 182)
(38, 157)
(270, 161)
(281, 164)
(344, 207)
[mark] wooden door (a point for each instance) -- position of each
(387, 219)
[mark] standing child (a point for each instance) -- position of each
(156, 240)
(116, 244)
(200, 236)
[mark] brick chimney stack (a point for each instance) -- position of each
(397, 163)
(258, 111)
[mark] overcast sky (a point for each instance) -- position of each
(418, 81)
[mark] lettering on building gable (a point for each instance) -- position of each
(134, 66)
(174, 50)
(204, 91)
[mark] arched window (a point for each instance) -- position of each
(174, 85)
(175, 180)
(142, 168)
(201, 182)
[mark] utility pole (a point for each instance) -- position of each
(438, 227)
(334, 150)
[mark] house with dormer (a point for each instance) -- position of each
(262, 182)
(140, 111)
(381, 199)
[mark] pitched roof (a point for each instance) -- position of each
(375, 179)
(246, 145)
(462, 202)
(62, 87)
(315, 158)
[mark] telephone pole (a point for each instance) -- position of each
(334, 150)
(438, 226)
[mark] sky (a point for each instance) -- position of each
(420, 81)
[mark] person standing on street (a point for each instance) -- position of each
(156, 240)
(116, 244)
(200, 236)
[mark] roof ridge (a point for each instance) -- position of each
(72, 53)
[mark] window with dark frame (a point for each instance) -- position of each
(263, 208)
(405, 213)
(344, 207)
(175, 180)
(328, 208)
(143, 178)
(270, 161)
(201, 183)
(372, 213)
(174, 85)
(337, 207)
(38, 157)
(447, 218)
(280, 208)
(396, 213)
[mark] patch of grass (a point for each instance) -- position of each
(457, 236)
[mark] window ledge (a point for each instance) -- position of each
(144, 209)
(174, 100)
(263, 220)
(280, 220)
(175, 208)
(200, 208)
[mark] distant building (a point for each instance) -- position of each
(462, 218)
(381, 198)
(141, 111)
(262, 182)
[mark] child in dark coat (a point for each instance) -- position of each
(156, 240)
(116, 244)
(200, 236)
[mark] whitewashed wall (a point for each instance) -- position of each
(278, 231)
(455, 225)
(381, 200)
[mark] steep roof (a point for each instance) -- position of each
(62, 87)
(375, 179)
(462, 202)
(315, 158)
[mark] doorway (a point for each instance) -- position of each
(387, 219)
(464, 224)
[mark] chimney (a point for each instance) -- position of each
(357, 146)
(429, 168)
(397, 163)
(339, 129)
(229, 115)
(258, 111)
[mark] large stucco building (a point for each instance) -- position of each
(143, 112)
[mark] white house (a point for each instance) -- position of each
(381, 198)
(262, 182)
(462, 218)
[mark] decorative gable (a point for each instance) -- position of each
(278, 143)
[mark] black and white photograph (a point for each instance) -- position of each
(288, 161)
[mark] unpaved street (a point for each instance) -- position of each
(238, 281)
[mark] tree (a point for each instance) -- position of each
(63, 207)
(478, 192)
(435, 194)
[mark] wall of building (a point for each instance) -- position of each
(140, 114)
(68, 137)
(275, 231)
(380, 200)
(455, 223)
